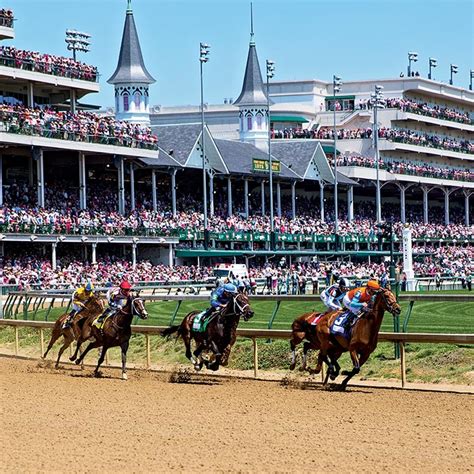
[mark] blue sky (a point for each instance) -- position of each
(307, 39)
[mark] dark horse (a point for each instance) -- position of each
(363, 339)
(116, 331)
(220, 334)
(93, 307)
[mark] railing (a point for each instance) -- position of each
(49, 68)
(62, 133)
(255, 334)
(6, 21)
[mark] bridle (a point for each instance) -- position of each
(390, 307)
(137, 311)
(241, 308)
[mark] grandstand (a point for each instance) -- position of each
(76, 184)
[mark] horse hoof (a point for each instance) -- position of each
(292, 366)
(197, 367)
(77, 361)
(98, 375)
(124, 376)
(345, 372)
(72, 358)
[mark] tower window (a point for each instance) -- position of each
(259, 122)
(249, 123)
(125, 103)
(137, 99)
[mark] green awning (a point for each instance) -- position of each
(330, 149)
(288, 118)
(341, 97)
(248, 253)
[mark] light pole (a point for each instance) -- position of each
(471, 78)
(270, 74)
(412, 57)
(204, 58)
(454, 70)
(77, 41)
(433, 64)
(336, 87)
(377, 102)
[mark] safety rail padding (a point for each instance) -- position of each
(276, 333)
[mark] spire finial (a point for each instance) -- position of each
(252, 41)
(129, 6)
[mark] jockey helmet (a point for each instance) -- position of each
(373, 285)
(230, 288)
(344, 283)
(89, 287)
(125, 286)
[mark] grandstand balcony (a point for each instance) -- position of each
(387, 145)
(6, 24)
(409, 116)
(366, 173)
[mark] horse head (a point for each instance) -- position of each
(389, 301)
(242, 306)
(138, 307)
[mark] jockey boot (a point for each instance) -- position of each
(68, 320)
(100, 320)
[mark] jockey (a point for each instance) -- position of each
(333, 295)
(79, 299)
(117, 299)
(357, 300)
(220, 297)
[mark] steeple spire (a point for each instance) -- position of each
(129, 6)
(252, 41)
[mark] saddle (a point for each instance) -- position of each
(342, 325)
(201, 321)
(99, 323)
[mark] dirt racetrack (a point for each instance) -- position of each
(67, 421)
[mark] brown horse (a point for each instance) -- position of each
(363, 339)
(220, 333)
(93, 307)
(116, 331)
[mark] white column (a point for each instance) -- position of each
(321, 200)
(211, 194)
(229, 196)
(278, 199)
(94, 253)
(293, 199)
(408, 258)
(132, 186)
(30, 95)
(467, 194)
(1, 180)
(350, 203)
(153, 190)
(446, 192)
(262, 186)
(121, 186)
(53, 255)
(246, 197)
(173, 192)
(134, 255)
(40, 176)
(170, 255)
(402, 204)
(73, 100)
(425, 190)
(82, 181)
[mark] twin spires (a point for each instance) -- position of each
(252, 101)
(131, 78)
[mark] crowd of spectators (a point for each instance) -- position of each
(30, 272)
(81, 126)
(6, 18)
(407, 167)
(47, 63)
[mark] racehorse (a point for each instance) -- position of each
(93, 307)
(115, 331)
(220, 333)
(363, 339)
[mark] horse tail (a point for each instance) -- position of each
(171, 330)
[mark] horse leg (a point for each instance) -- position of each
(124, 348)
(355, 369)
(215, 365)
(67, 343)
(91, 346)
(101, 359)
(55, 335)
(296, 338)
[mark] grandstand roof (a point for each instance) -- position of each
(239, 156)
(178, 141)
(130, 67)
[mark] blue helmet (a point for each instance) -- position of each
(230, 288)
(89, 286)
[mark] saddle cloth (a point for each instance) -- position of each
(200, 322)
(100, 325)
(315, 319)
(342, 325)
